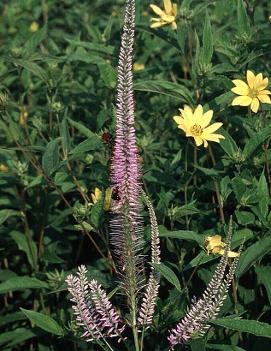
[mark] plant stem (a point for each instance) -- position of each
(216, 186)
(135, 334)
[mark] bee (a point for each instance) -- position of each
(107, 138)
(115, 194)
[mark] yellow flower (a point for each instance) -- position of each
(3, 168)
(215, 245)
(195, 124)
(23, 116)
(34, 27)
(138, 66)
(251, 93)
(167, 16)
(96, 196)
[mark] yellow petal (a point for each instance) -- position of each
(233, 254)
(188, 116)
(167, 18)
(250, 79)
(214, 240)
(240, 83)
(255, 105)
(218, 250)
(212, 128)
(258, 80)
(174, 10)
(262, 84)
(213, 137)
(242, 101)
(240, 90)
(198, 140)
(156, 10)
(198, 114)
(158, 24)
(178, 119)
(174, 25)
(206, 118)
(168, 6)
(264, 99)
(264, 92)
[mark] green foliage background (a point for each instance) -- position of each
(56, 131)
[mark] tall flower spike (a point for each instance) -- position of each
(93, 311)
(194, 324)
(126, 224)
(148, 304)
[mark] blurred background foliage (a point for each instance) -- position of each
(57, 81)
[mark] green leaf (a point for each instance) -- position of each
(168, 274)
(263, 275)
(184, 235)
(31, 67)
(50, 158)
(108, 74)
(228, 144)
(16, 336)
(81, 128)
(173, 90)
(43, 321)
(35, 39)
(245, 326)
(5, 214)
(65, 135)
(198, 344)
(90, 144)
(253, 254)
(245, 217)
(242, 19)
(11, 317)
(257, 139)
(207, 42)
(21, 283)
(263, 194)
(26, 245)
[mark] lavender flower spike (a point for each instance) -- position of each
(194, 324)
(126, 225)
(93, 311)
(146, 311)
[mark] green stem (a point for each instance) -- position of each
(136, 341)
(142, 339)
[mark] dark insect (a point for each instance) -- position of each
(115, 194)
(107, 138)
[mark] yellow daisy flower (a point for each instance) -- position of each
(251, 93)
(34, 27)
(215, 245)
(196, 124)
(3, 168)
(166, 16)
(138, 66)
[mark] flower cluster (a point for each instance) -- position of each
(195, 322)
(93, 311)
